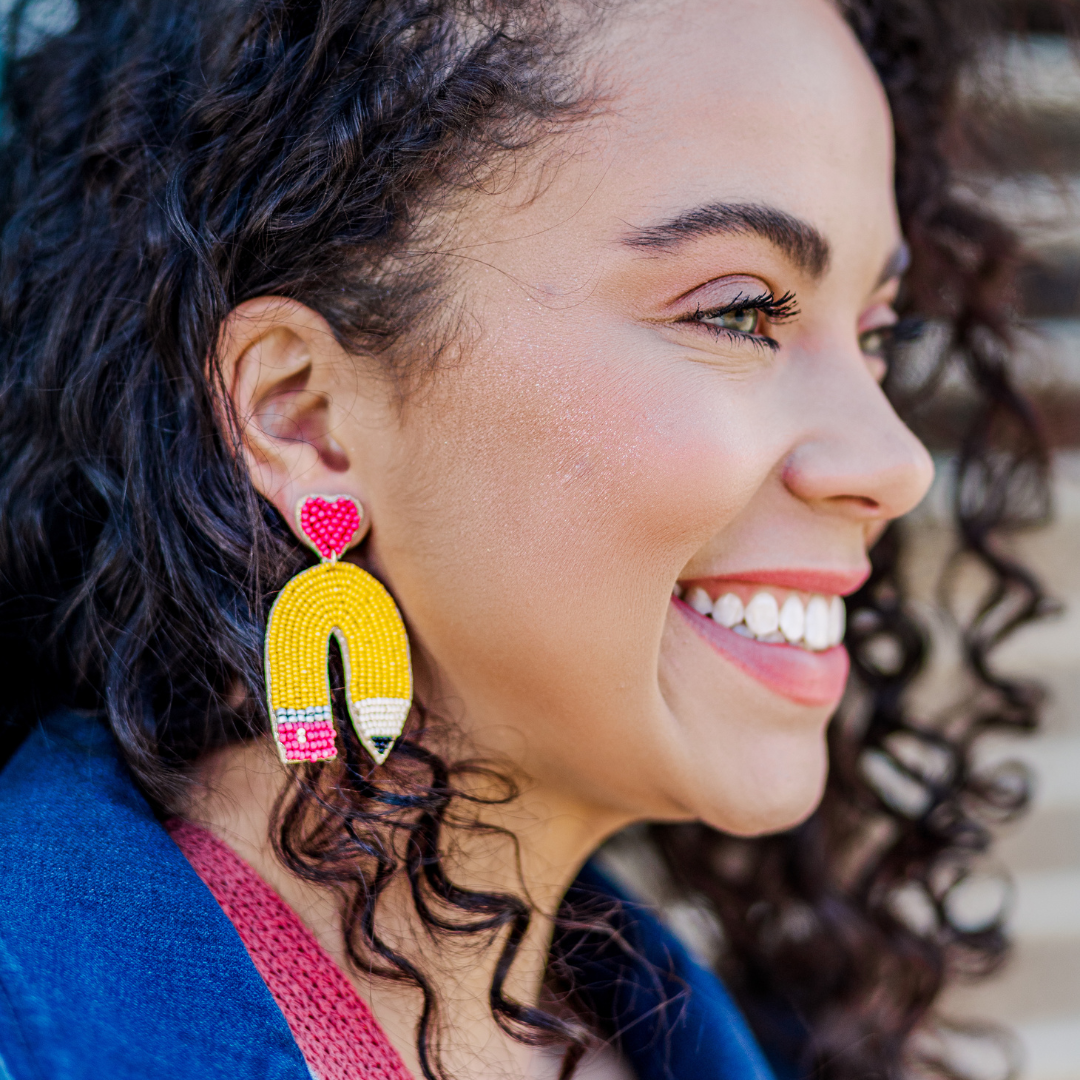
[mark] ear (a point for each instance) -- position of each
(280, 364)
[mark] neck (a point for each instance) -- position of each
(531, 847)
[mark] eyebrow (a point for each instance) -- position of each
(797, 239)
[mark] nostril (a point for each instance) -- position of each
(860, 502)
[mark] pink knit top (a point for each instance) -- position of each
(332, 1025)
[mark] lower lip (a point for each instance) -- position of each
(809, 678)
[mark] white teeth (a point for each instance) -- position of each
(728, 610)
(817, 625)
(699, 601)
(762, 615)
(837, 620)
(677, 591)
(816, 633)
(792, 619)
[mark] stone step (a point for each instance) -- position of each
(1042, 982)
(1048, 838)
(1033, 177)
(1055, 764)
(1051, 1049)
(1037, 73)
(1048, 909)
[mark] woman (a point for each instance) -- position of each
(568, 325)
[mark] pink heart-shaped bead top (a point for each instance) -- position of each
(329, 523)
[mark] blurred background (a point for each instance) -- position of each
(1034, 85)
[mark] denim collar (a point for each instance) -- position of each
(115, 959)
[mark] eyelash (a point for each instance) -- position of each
(775, 309)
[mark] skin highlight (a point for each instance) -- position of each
(599, 442)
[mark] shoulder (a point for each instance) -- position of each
(670, 1016)
(115, 960)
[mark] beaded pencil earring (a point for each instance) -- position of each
(340, 600)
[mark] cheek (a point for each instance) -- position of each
(540, 514)
(565, 475)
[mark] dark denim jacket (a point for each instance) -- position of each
(116, 962)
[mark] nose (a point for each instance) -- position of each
(856, 456)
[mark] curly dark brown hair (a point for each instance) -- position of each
(164, 160)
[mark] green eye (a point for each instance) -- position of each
(742, 320)
(876, 342)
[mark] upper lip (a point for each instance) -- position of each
(829, 582)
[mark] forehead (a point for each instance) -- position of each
(765, 102)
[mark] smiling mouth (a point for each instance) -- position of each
(789, 641)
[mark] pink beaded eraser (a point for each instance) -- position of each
(307, 742)
(328, 523)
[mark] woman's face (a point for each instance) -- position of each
(666, 382)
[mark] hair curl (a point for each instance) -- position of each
(164, 160)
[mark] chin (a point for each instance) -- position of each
(773, 817)
(757, 762)
(768, 791)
